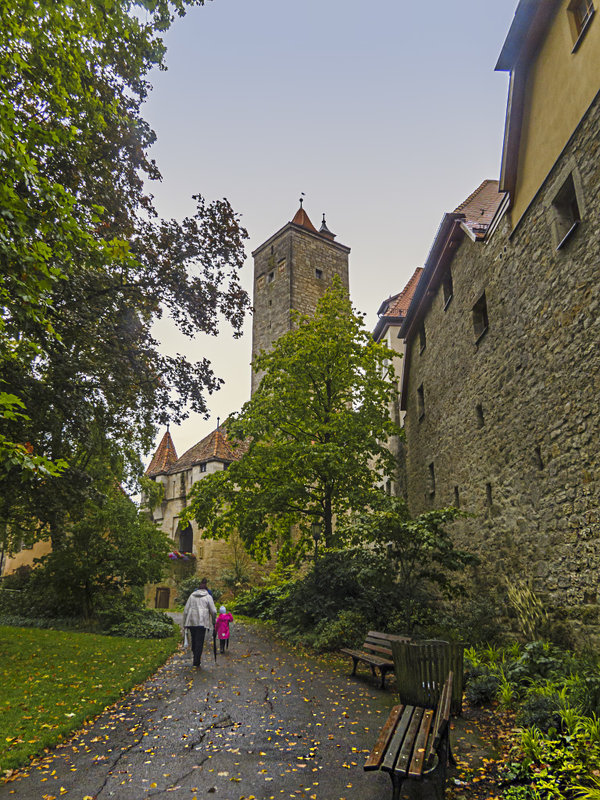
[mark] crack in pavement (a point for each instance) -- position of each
(267, 700)
(178, 781)
(223, 722)
(123, 751)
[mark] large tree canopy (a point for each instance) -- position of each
(316, 431)
(86, 264)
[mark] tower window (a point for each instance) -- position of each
(456, 497)
(319, 274)
(422, 337)
(566, 214)
(480, 317)
(271, 277)
(448, 289)
(281, 266)
(202, 467)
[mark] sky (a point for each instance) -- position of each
(386, 114)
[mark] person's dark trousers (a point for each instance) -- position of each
(197, 633)
(222, 644)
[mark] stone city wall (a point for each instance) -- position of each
(511, 423)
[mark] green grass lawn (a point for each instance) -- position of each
(52, 681)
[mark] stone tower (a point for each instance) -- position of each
(292, 270)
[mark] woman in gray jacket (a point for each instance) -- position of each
(198, 615)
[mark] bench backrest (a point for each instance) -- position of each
(381, 643)
(422, 668)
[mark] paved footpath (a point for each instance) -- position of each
(262, 723)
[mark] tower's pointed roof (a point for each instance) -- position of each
(164, 458)
(301, 218)
(324, 230)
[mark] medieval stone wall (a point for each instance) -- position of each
(510, 428)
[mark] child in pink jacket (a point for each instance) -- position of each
(222, 628)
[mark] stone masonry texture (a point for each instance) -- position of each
(511, 422)
(285, 280)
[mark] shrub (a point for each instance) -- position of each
(346, 630)
(540, 660)
(56, 623)
(144, 624)
(17, 579)
(554, 766)
(482, 687)
(585, 693)
(540, 709)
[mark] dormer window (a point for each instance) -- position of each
(203, 467)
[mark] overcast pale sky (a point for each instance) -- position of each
(386, 114)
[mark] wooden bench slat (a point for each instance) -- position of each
(442, 715)
(389, 637)
(376, 755)
(370, 658)
(398, 739)
(415, 769)
(378, 649)
(406, 750)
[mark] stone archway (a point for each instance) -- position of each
(186, 539)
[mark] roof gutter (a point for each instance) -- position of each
(448, 237)
(531, 21)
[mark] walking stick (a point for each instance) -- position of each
(215, 643)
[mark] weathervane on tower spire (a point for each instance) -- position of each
(301, 198)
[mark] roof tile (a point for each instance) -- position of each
(164, 458)
(397, 305)
(301, 218)
(480, 207)
(214, 447)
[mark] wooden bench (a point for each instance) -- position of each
(421, 669)
(414, 744)
(376, 652)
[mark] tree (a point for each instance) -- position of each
(420, 549)
(86, 264)
(112, 549)
(316, 430)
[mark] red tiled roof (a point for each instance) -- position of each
(301, 218)
(480, 207)
(397, 305)
(165, 457)
(214, 447)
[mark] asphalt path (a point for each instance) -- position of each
(261, 723)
